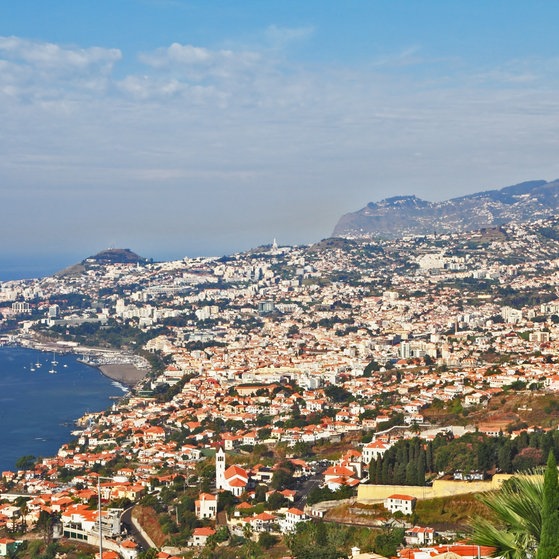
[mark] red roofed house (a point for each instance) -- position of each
(108, 554)
(374, 450)
(418, 535)
(200, 536)
(262, 522)
(129, 549)
(338, 476)
(153, 434)
(292, 517)
(337, 471)
(466, 551)
(402, 503)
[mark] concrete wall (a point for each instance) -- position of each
(440, 488)
(138, 527)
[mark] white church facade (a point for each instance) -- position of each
(232, 478)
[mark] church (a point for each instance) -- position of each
(234, 478)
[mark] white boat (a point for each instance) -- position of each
(54, 361)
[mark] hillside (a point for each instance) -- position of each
(105, 257)
(408, 215)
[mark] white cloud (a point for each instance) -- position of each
(199, 62)
(156, 88)
(49, 56)
(177, 53)
(40, 70)
(201, 135)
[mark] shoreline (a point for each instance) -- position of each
(124, 371)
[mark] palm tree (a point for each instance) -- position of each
(515, 529)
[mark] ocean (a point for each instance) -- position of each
(38, 409)
(20, 267)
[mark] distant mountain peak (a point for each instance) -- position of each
(105, 257)
(116, 256)
(409, 215)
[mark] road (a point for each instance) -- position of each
(305, 488)
(127, 523)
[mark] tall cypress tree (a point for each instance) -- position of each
(548, 547)
(421, 468)
(429, 465)
(373, 471)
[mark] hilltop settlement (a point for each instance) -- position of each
(349, 398)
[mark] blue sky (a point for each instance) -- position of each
(178, 127)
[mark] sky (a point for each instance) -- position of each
(183, 128)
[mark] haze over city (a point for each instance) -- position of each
(186, 127)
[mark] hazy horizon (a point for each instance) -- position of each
(181, 127)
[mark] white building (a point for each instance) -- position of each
(419, 535)
(292, 517)
(206, 506)
(403, 503)
(234, 478)
(374, 450)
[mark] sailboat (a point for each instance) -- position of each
(54, 361)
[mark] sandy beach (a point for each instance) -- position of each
(125, 373)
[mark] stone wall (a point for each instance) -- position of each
(440, 488)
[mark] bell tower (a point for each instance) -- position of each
(220, 468)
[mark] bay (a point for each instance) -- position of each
(38, 409)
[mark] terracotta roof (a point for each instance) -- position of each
(204, 531)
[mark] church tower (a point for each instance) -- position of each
(220, 468)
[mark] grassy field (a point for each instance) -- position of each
(449, 513)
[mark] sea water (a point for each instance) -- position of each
(40, 402)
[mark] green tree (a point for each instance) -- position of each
(276, 501)
(387, 542)
(45, 525)
(260, 493)
(504, 457)
(26, 462)
(283, 476)
(267, 540)
(548, 547)
(150, 553)
(226, 500)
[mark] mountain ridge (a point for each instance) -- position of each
(399, 216)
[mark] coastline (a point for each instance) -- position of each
(114, 364)
(125, 373)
